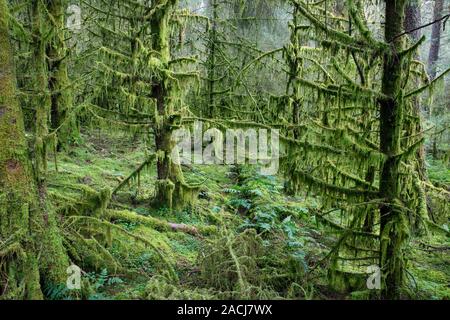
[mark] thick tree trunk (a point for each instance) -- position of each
(19, 273)
(32, 251)
(18, 261)
(433, 56)
(394, 232)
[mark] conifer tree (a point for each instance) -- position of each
(340, 155)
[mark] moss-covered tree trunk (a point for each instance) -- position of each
(26, 213)
(59, 84)
(394, 225)
(19, 274)
(435, 39)
(293, 57)
(171, 190)
(413, 21)
(296, 70)
(211, 63)
(23, 231)
(41, 99)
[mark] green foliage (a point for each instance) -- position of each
(104, 101)
(439, 172)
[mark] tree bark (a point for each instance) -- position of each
(413, 20)
(26, 229)
(31, 247)
(41, 100)
(393, 219)
(171, 190)
(433, 56)
(59, 84)
(212, 58)
(18, 260)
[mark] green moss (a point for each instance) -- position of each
(31, 216)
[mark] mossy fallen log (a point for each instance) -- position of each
(160, 225)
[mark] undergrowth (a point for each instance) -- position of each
(251, 240)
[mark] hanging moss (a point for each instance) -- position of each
(344, 122)
(24, 212)
(61, 108)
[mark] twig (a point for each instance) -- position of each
(446, 17)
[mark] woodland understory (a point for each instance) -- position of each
(92, 93)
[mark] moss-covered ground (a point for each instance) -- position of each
(258, 243)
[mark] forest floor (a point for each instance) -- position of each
(250, 240)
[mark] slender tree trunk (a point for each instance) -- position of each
(41, 98)
(212, 58)
(54, 260)
(394, 231)
(59, 84)
(433, 56)
(413, 20)
(296, 69)
(294, 88)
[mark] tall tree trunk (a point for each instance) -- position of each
(394, 231)
(54, 260)
(413, 20)
(295, 62)
(41, 99)
(212, 58)
(171, 190)
(433, 56)
(59, 84)
(26, 231)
